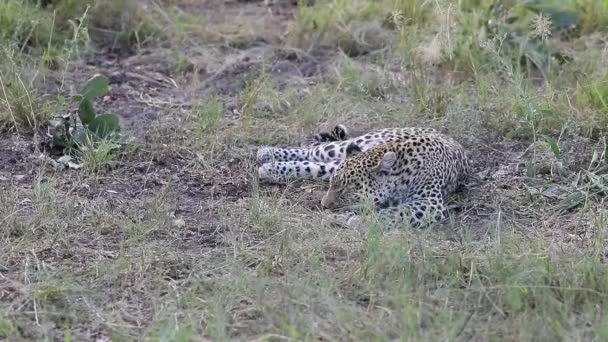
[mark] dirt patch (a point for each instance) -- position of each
(284, 66)
(19, 156)
(11, 159)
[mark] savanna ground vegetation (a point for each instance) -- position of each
(130, 207)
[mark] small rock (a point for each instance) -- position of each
(179, 223)
(64, 159)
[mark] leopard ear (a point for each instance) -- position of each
(386, 164)
(352, 149)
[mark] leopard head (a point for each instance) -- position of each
(362, 176)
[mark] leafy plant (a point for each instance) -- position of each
(7, 328)
(594, 94)
(78, 130)
(208, 114)
(526, 26)
(521, 29)
(554, 147)
(22, 105)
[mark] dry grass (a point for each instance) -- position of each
(175, 239)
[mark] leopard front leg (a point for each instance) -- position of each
(423, 208)
(417, 213)
(282, 171)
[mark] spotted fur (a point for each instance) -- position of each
(405, 172)
(338, 133)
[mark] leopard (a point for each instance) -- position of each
(338, 133)
(405, 173)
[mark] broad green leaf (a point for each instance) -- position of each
(563, 20)
(80, 137)
(533, 51)
(560, 19)
(554, 147)
(572, 200)
(86, 112)
(104, 125)
(96, 86)
(599, 183)
(60, 100)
